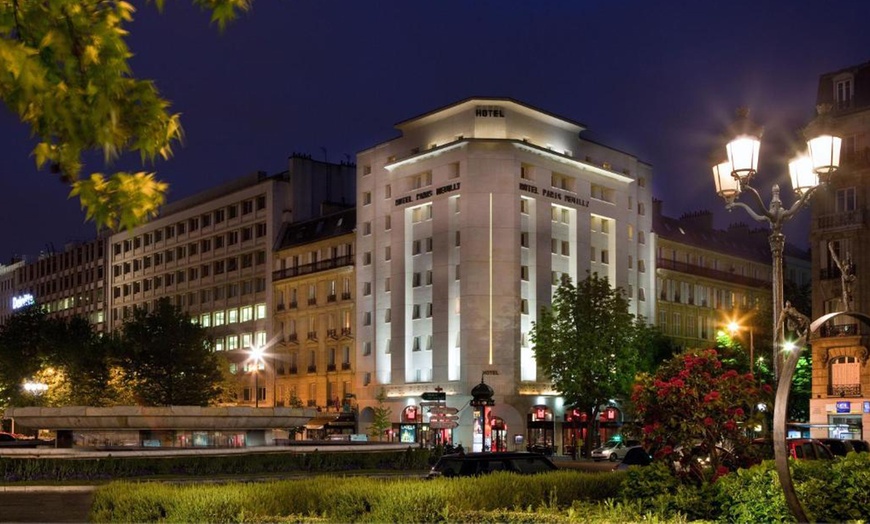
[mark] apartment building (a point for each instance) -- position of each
(467, 222)
(314, 320)
(66, 284)
(840, 404)
(212, 255)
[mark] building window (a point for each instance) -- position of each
(367, 198)
(416, 344)
(524, 273)
(524, 239)
(843, 93)
(367, 318)
(845, 200)
(526, 172)
(388, 223)
(602, 193)
(415, 311)
(367, 228)
(524, 206)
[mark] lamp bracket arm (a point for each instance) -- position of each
(764, 217)
(799, 204)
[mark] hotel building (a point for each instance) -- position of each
(466, 224)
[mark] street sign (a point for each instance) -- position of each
(431, 404)
(445, 424)
(443, 416)
(443, 410)
(434, 395)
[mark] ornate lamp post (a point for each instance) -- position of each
(732, 177)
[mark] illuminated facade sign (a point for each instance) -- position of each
(22, 300)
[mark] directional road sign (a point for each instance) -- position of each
(446, 424)
(445, 416)
(443, 410)
(434, 395)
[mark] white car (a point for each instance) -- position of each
(613, 450)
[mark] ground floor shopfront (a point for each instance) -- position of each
(160, 427)
(842, 418)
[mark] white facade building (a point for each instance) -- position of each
(466, 224)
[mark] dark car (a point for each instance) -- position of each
(635, 456)
(860, 446)
(838, 446)
(472, 464)
(8, 440)
(798, 448)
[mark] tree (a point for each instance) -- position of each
(586, 342)
(167, 359)
(24, 347)
(381, 417)
(64, 71)
(693, 408)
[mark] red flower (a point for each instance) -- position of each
(730, 425)
(711, 396)
(738, 412)
(709, 421)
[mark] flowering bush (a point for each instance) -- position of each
(695, 414)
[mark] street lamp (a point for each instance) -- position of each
(735, 328)
(256, 353)
(732, 176)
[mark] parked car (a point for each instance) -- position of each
(472, 464)
(861, 446)
(634, 456)
(8, 440)
(839, 447)
(798, 448)
(613, 450)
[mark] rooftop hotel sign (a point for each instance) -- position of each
(489, 112)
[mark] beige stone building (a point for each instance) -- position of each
(840, 404)
(314, 286)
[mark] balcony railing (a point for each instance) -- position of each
(312, 335)
(294, 304)
(316, 267)
(330, 367)
(345, 366)
(845, 390)
(331, 298)
(280, 307)
(292, 337)
(293, 370)
(844, 219)
(345, 295)
(332, 333)
(692, 269)
(345, 332)
(312, 369)
(312, 403)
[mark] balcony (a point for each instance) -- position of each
(345, 295)
(843, 220)
(312, 369)
(293, 370)
(311, 404)
(280, 307)
(845, 390)
(312, 335)
(345, 332)
(316, 267)
(330, 367)
(345, 366)
(312, 301)
(728, 276)
(331, 298)
(294, 304)
(331, 333)
(292, 337)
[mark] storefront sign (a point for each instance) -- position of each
(844, 406)
(488, 112)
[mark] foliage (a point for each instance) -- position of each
(64, 70)
(167, 358)
(692, 407)
(381, 417)
(66, 355)
(513, 498)
(587, 343)
(654, 347)
(801, 388)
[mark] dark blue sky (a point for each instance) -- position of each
(657, 79)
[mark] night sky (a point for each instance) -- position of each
(656, 79)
